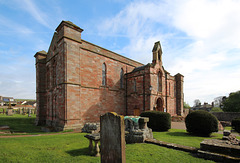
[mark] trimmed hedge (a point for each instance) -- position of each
(201, 123)
(158, 121)
(236, 124)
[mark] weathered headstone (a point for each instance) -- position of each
(24, 111)
(112, 138)
(29, 112)
(10, 112)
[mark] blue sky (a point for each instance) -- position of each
(200, 38)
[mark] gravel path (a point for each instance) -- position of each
(178, 125)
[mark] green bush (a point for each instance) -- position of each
(201, 123)
(158, 121)
(236, 124)
(232, 103)
(216, 109)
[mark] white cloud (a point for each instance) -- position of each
(209, 20)
(40, 16)
(210, 31)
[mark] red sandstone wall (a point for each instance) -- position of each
(95, 98)
(75, 94)
(135, 99)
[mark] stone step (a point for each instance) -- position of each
(4, 127)
(217, 156)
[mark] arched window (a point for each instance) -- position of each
(159, 55)
(121, 78)
(104, 74)
(159, 82)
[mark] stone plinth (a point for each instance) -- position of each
(137, 132)
(143, 122)
(96, 138)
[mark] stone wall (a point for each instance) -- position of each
(226, 116)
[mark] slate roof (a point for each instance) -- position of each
(139, 68)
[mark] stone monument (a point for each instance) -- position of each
(10, 109)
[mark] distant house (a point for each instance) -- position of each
(32, 102)
(5, 100)
(205, 106)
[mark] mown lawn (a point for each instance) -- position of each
(20, 124)
(182, 137)
(74, 148)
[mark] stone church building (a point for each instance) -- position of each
(77, 81)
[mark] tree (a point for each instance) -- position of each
(232, 103)
(218, 101)
(186, 105)
(197, 102)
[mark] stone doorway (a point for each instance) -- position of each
(159, 105)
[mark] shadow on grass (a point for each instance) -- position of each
(177, 133)
(182, 134)
(79, 152)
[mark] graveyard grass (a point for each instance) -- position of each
(73, 147)
(22, 125)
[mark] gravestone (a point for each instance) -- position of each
(112, 138)
(29, 112)
(20, 111)
(10, 111)
(24, 111)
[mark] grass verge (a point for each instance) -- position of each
(74, 148)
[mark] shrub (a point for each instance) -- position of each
(158, 121)
(216, 109)
(201, 123)
(236, 124)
